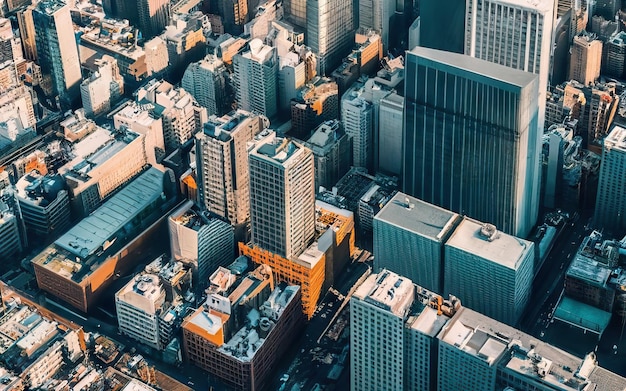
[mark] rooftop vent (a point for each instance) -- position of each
(489, 232)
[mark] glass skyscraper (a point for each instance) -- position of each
(470, 138)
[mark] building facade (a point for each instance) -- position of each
(357, 118)
(256, 79)
(491, 271)
(329, 31)
(585, 59)
(332, 151)
(610, 213)
(463, 168)
(206, 81)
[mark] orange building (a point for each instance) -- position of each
(79, 265)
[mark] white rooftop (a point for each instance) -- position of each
(503, 249)
(616, 140)
(388, 291)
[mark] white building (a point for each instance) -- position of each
(357, 120)
(206, 81)
(103, 88)
(138, 119)
(138, 306)
(256, 79)
(180, 114)
(282, 197)
(202, 242)
(610, 211)
(222, 164)
(492, 272)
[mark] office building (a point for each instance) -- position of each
(200, 241)
(409, 235)
(329, 32)
(57, 51)
(222, 164)
(180, 114)
(138, 305)
(27, 32)
(496, 178)
(78, 266)
(256, 79)
(481, 262)
(282, 197)
(336, 228)
(234, 15)
(357, 120)
(261, 21)
(615, 55)
(206, 81)
(17, 114)
(102, 162)
(153, 16)
(185, 39)
(610, 212)
(377, 15)
(431, 35)
(388, 158)
(139, 119)
(44, 204)
(521, 41)
(394, 325)
(332, 151)
(316, 102)
(295, 12)
(219, 338)
(585, 59)
(103, 88)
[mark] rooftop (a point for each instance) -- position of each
(388, 291)
(589, 270)
(485, 241)
(278, 150)
(415, 215)
(616, 140)
(75, 253)
(462, 64)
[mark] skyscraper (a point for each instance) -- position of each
(433, 16)
(376, 15)
(57, 51)
(295, 12)
(481, 262)
(610, 211)
(282, 197)
(357, 118)
(469, 138)
(256, 79)
(329, 31)
(222, 164)
(585, 59)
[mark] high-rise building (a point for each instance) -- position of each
(615, 55)
(201, 241)
(376, 15)
(103, 88)
(393, 337)
(329, 31)
(482, 262)
(485, 163)
(431, 35)
(357, 119)
(256, 79)
(610, 213)
(314, 103)
(138, 306)
(332, 150)
(11, 228)
(282, 197)
(409, 235)
(390, 118)
(222, 164)
(27, 32)
(585, 59)
(153, 16)
(234, 15)
(206, 81)
(57, 50)
(516, 34)
(139, 119)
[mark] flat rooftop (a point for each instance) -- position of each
(428, 322)
(616, 140)
(505, 250)
(414, 215)
(388, 291)
(463, 65)
(589, 270)
(582, 315)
